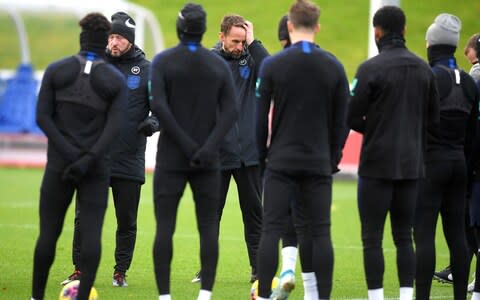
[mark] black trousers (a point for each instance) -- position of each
(314, 198)
(249, 194)
(376, 198)
(126, 198)
(443, 192)
(55, 197)
(168, 187)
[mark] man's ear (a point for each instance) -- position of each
(378, 33)
(221, 36)
(289, 26)
(317, 28)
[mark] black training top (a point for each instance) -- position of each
(76, 123)
(394, 96)
(453, 137)
(128, 152)
(309, 90)
(193, 96)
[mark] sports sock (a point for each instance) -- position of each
(310, 286)
(204, 295)
(475, 296)
(164, 297)
(406, 293)
(376, 294)
(289, 258)
(260, 298)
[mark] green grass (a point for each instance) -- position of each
(19, 229)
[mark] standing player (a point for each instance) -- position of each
(128, 151)
(443, 191)
(307, 136)
(394, 97)
(471, 52)
(193, 96)
(80, 108)
(238, 152)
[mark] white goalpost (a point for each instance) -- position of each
(374, 6)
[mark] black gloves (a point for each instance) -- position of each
(203, 158)
(149, 126)
(77, 170)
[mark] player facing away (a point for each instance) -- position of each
(394, 97)
(81, 106)
(308, 132)
(193, 96)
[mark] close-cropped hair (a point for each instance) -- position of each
(390, 18)
(304, 13)
(472, 43)
(95, 22)
(230, 21)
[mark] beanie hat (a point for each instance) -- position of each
(283, 29)
(191, 20)
(445, 30)
(123, 25)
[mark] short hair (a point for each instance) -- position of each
(472, 43)
(230, 21)
(95, 22)
(304, 13)
(391, 19)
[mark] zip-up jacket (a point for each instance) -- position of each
(128, 150)
(394, 98)
(239, 145)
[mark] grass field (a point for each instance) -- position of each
(19, 229)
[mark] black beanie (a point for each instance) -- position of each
(283, 29)
(191, 21)
(123, 25)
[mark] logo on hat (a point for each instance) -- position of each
(135, 70)
(128, 24)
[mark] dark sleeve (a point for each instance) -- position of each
(472, 93)
(115, 115)
(161, 109)
(228, 112)
(433, 104)
(339, 127)
(359, 101)
(258, 53)
(45, 114)
(264, 95)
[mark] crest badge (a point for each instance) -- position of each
(135, 70)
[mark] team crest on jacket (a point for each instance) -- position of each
(133, 81)
(135, 70)
(242, 62)
(244, 72)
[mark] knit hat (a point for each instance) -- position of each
(191, 20)
(123, 25)
(283, 29)
(445, 30)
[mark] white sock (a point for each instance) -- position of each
(204, 295)
(260, 298)
(376, 294)
(406, 293)
(164, 297)
(310, 286)
(475, 296)
(289, 258)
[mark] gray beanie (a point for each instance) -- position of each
(445, 30)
